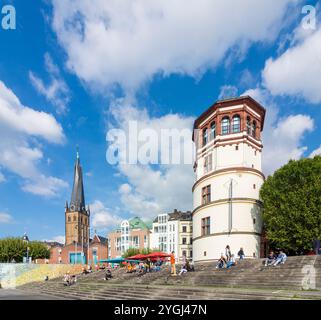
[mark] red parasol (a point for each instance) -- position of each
(137, 257)
(155, 255)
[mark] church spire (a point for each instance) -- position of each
(77, 202)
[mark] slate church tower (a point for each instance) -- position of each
(76, 214)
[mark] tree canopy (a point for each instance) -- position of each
(15, 249)
(292, 205)
(134, 251)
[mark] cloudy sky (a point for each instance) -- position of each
(72, 70)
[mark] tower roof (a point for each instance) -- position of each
(77, 202)
(231, 102)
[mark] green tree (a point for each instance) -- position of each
(16, 249)
(292, 205)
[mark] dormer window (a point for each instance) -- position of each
(225, 125)
(236, 124)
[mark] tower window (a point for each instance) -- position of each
(236, 124)
(248, 125)
(254, 186)
(204, 253)
(69, 219)
(236, 148)
(74, 218)
(206, 195)
(208, 163)
(213, 131)
(254, 129)
(225, 125)
(254, 220)
(205, 137)
(255, 152)
(206, 226)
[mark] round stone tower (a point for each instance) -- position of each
(227, 208)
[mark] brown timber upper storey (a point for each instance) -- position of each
(244, 100)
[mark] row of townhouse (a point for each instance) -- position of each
(167, 233)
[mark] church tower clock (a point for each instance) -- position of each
(76, 214)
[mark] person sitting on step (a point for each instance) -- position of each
(221, 262)
(108, 275)
(241, 254)
(270, 260)
(231, 262)
(183, 269)
(280, 259)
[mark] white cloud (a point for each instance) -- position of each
(101, 217)
(316, 152)
(60, 239)
(5, 218)
(2, 177)
(282, 136)
(152, 189)
(57, 92)
(128, 42)
(297, 71)
(21, 130)
(227, 91)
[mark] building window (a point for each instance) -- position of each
(255, 152)
(236, 124)
(184, 229)
(191, 254)
(206, 225)
(236, 148)
(204, 253)
(191, 240)
(225, 125)
(254, 129)
(254, 186)
(213, 131)
(74, 218)
(183, 240)
(205, 137)
(206, 195)
(69, 219)
(248, 125)
(254, 220)
(191, 229)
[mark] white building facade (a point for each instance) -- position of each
(226, 203)
(173, 232)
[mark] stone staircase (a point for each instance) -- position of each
(248, 280)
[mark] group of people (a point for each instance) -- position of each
(69, 279)
(274, 259)
(186, 266)
(228, 260)
(144, 266)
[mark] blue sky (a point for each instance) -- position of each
(79, 68)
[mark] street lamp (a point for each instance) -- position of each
(25, 239)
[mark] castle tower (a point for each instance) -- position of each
(227, 208)
(76, 214)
